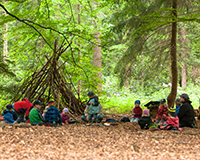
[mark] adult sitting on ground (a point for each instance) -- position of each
(186, 112)
(22, 108)
(99, 117)
(35, 114)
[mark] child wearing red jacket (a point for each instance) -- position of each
(137, 112)
(172, 120)
(22, 108)
(161, 112)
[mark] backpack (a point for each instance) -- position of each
(125, 119)
(71, 121)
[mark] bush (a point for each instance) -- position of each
(122, 100)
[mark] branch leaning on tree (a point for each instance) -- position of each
(27, 22)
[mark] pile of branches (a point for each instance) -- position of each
(50, 82)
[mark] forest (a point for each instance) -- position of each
(121, 50)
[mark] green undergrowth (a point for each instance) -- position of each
(123, 101)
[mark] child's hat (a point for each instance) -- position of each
(37, 102)
(90, 93)
(163, 101)
(50, 102)
(9, 106)
(178, 101)
(137, 101)
(145, 111)
(65, 110)
(172, 112)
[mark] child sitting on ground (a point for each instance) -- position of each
(93, 104)
(13, 113)
(53, 115)
(35, 114)
(161, 112)
(172, 121)
(178, 105)
(145, 121)
(8, 115)
(137, 112)
(65, 116)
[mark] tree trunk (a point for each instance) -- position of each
(97, 56)
(79, 44)
(172, 95)
(97, 50)
(170, 76)
(184, 66)
(5, 43)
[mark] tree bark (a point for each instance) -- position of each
(79, 44)
(184, 66)
(97, 56)
(173, 93)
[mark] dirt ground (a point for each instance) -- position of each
(78, 141)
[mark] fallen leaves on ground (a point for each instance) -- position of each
(78, 141)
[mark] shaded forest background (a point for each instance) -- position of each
(121, 50)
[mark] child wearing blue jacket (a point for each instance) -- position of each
(8, 115)
(53, 115)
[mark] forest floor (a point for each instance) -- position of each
(79, 141)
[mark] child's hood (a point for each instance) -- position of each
(137, 107)
(5, 111)
(92, 98)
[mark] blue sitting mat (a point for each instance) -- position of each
(111, 120)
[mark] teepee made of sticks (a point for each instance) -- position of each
(50, 82)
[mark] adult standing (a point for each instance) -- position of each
(186, 112)
(22, 108)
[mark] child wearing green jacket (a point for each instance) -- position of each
(35, 114)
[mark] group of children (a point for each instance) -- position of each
(166, 118)
(24, 111)
(51, 114)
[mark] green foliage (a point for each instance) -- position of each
(33, 28)
(144, 27)
(5, 70)
(123, 101)
(134, 45)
